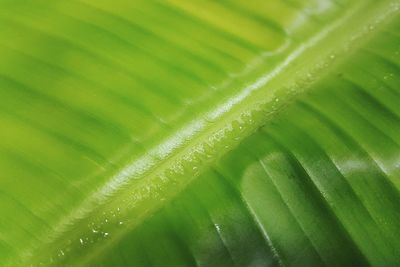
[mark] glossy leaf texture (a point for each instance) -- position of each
(108, 110)
(317, 185)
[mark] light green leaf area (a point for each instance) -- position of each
(184, 133)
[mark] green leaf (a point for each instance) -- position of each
(185, 133)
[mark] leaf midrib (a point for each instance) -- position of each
(257, 101)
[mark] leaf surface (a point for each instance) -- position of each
(108, 110)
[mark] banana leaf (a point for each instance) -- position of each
(199, 133)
